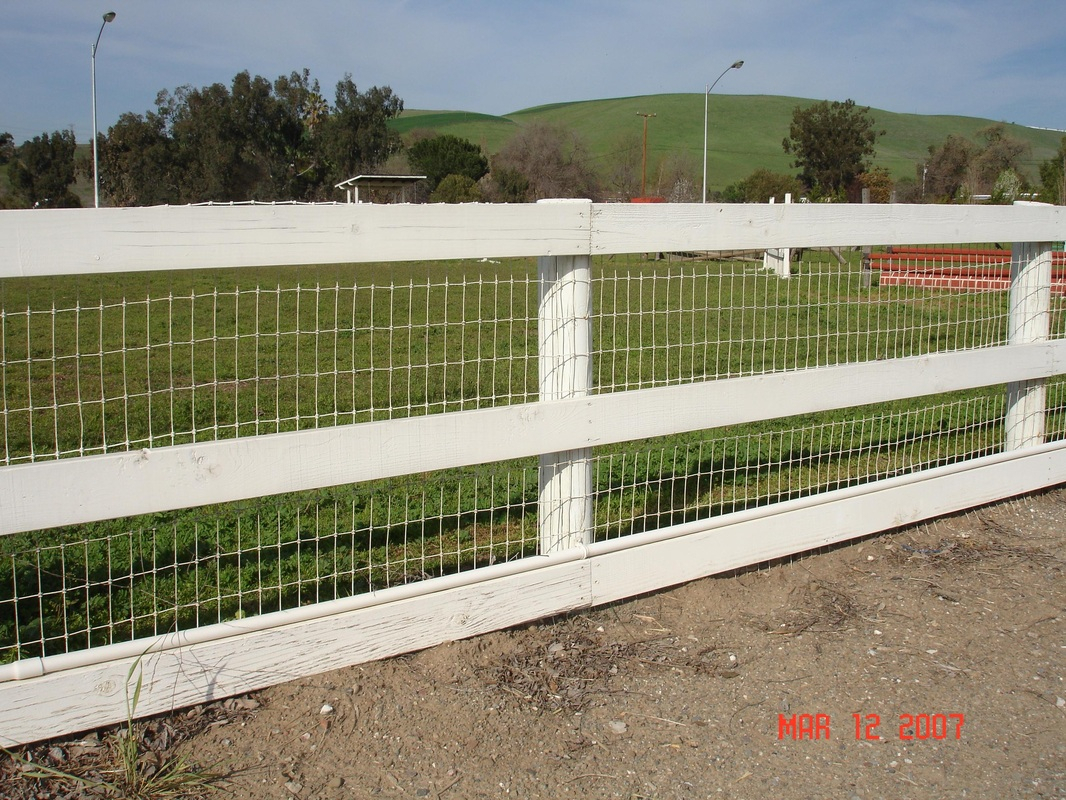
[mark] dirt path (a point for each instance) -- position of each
(947, 640)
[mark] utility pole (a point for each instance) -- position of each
(644, 155)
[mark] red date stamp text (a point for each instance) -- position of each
(868, 727)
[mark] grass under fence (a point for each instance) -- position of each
(88, 369)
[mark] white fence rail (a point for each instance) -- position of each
(231, 480)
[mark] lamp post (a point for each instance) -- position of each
(706, 98)
(108, 17)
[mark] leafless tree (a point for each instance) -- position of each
(552, 160)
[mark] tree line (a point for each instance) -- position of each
(282, 140)
(253, 140)
(834, 144)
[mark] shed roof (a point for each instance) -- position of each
(380, 181)
(400, 182)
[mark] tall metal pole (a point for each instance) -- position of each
(644, 155)
(108, 17)
(706, 98)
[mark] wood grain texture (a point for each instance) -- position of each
(621, 228)
(92, 696)
(564, 350)
(1028, 320)
(69, 241)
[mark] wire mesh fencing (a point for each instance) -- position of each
(131, 363)
(192, 363)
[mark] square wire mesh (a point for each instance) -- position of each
(122, 365)
(134, 361)
(676, 321)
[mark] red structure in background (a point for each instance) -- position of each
(968, 269)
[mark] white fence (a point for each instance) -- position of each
(227, 465)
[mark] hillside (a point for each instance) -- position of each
(745, 131)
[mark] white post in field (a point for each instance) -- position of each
(565, 337)
(769, 256)
(785, 266)
(1029, 320)
(779, 259)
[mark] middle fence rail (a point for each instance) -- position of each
(242, 445)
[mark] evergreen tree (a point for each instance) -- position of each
(43, 170)
(445, 155)
(1053, 177)
(833, 143)
(251, 140)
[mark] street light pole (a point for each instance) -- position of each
(706, 98)
(108, 17)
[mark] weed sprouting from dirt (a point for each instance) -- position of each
(121, 766)
(136, 760)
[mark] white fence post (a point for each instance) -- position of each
(565, 338)
(779, 259)
(1029, 320)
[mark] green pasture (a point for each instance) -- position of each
(166, 358)
(745, 131)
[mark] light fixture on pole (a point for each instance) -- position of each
(706, 98)
(108, 17)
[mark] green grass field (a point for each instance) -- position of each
(95, 364)
(745, 131)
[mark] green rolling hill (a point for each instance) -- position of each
(745, 131)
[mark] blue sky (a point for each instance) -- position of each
(1004, 61)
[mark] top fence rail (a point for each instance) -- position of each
(59, 242)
